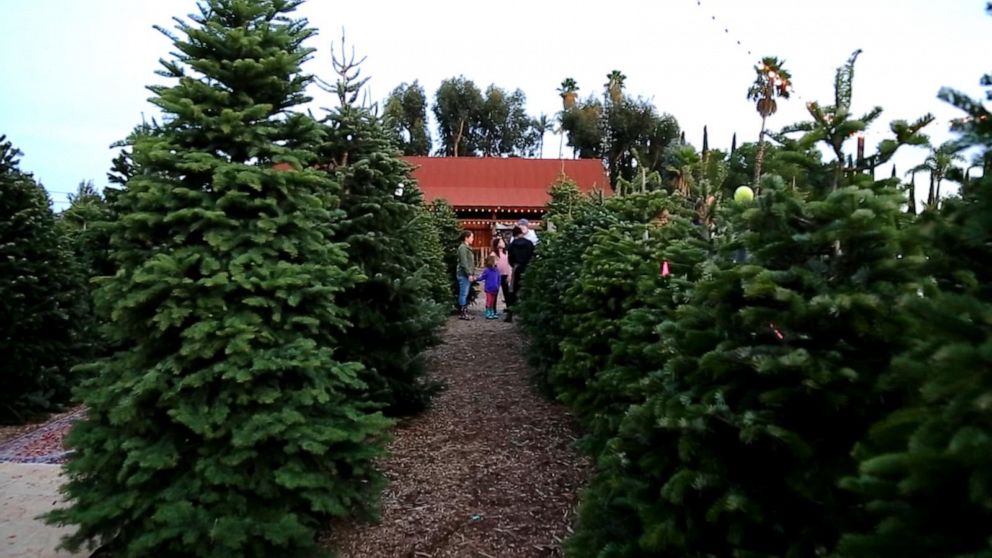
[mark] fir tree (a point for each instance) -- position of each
(224, 425)
(393, 313)
(554, 269)
(38, 287)
(85, 226)
(444, 222)
(925, 473)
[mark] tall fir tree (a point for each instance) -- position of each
(224, 425)
(394, 316)
(38, 289)
(444, 222)
(925, 472)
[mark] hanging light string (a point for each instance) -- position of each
(744, 48)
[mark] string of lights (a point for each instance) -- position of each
(744, 48)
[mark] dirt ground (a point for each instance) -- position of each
(489, 471)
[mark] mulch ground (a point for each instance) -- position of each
(489, 471)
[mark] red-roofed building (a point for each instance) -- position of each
(490, 193)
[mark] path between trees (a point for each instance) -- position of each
(490, 470)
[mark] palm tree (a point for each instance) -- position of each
(940, 164)
(771, 82)
(614, 85)
(542, 125)
(569, 91)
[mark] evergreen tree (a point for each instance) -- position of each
(764, 378)
(553, 270)
(625, 272)
(85, 226)
(444, 221)
(393, 313)
(225, 425)
(38, 286)
(925, 471)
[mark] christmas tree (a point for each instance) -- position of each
(38, 293)
(225, 424)
(925, 473)
(443, 222)
(554, 270)
(394, 315)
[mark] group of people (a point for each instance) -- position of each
(504, 270)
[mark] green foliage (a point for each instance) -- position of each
(619, 292)
(458, 109)
(492, 124)
(924, 475)
(554, 269)
(442, 220)
(225, 424)
(620, 129)
(38, 289)
(721, 405)
(85, 227)
(394, 315)
(405, 112)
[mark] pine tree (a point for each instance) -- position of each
(225, 425)
(38, 287)
(925, 472)
(393, 313)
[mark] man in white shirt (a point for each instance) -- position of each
(530, 235)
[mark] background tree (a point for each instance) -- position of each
(940, 164)
(541, 126)
(771, 82)
(583, 124)
(38, 291)
(224, 424)
(614, 86)
(406, 110)
(569, 91)
(85, 225)
(458, 109)
(504, 127)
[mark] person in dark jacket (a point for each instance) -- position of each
(520, 253)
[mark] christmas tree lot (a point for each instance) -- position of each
(225, 424)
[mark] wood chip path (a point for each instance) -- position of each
(489, 471)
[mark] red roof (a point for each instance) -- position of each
(491, 182)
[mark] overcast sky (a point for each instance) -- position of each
(74, 73)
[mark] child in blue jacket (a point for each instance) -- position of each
(490, 279)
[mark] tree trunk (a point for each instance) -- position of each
(932, 195)
(912, 195)
(458, 136)
(761, 153)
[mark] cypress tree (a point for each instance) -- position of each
(225, 424)
(38, 288)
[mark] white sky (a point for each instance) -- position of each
(73, 73)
